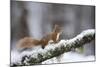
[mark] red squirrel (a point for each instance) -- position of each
(54, 36)
(28, 42)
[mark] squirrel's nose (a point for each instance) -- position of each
(43, 47)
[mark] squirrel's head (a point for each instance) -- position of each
(57, 28)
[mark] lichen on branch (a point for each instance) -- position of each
(53, 50)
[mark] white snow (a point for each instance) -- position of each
(69, 57)
(66, 57)
(16, 56)
(80, 36)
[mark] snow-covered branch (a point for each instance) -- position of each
(53, 50)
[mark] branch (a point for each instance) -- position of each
(53, 50)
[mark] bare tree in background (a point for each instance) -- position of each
(19, 27)
(37, 19)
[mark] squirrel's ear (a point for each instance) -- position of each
(56, 25)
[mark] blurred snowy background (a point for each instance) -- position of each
(37, 19)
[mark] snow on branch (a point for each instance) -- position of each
(54, 50)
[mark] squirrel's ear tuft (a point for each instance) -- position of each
(56, 25)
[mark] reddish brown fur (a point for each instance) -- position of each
(28, 42)
(52, 36)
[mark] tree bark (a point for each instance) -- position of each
(57, 49)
